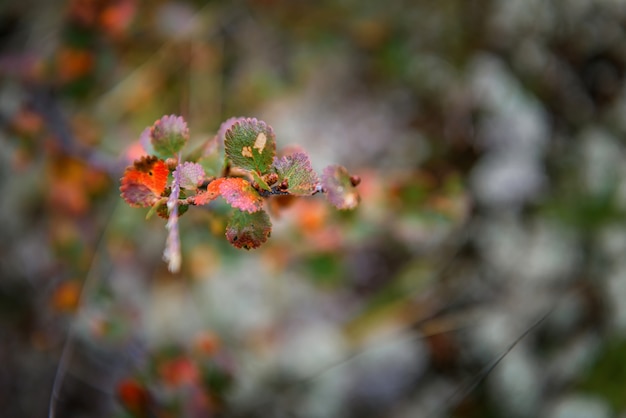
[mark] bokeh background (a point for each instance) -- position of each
(489, 136)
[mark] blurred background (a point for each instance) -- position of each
(489, 136)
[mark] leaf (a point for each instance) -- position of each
(191, 175)
(211, 154)
(340, 187)
(143, 183)
(157, 208)
(169, 135)
(296, 174)
(212, 192)
(248, 230)
(260, 181)
(226, 125)
(238, 192)
(250, 144)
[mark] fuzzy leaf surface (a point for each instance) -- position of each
(143, 183)
(250, 144)
(212, 192)
(238, 192)
(248, 230)
(169, 135)
(340, 192)
(191, 175)
(296, 173)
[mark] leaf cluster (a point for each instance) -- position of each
(239, 164)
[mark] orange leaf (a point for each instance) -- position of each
(238, 192)
(212, 192)
(144, 181)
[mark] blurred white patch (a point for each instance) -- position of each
(314, 347)
(602, 159)
(540, 255)
(507, 180)
(514, 134)
(580, 406)
(516, 385)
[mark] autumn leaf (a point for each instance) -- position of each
(191, 175)
(296, 174)
(144, 181)
(238, 192)
(250, 145)
(340, 187)
(248, 230)
(212, 193)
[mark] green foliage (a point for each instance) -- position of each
(248, 230)
(250, 145)
(169, 135)
(296, 175)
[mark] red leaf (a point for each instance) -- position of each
(144, 181)
(238, 192)
(212, 192)
(191, 175)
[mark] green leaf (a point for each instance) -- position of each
(169, 135)
(156, 207)
(260, 181)
(296, 174)
(251, 145)
(248, 230)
